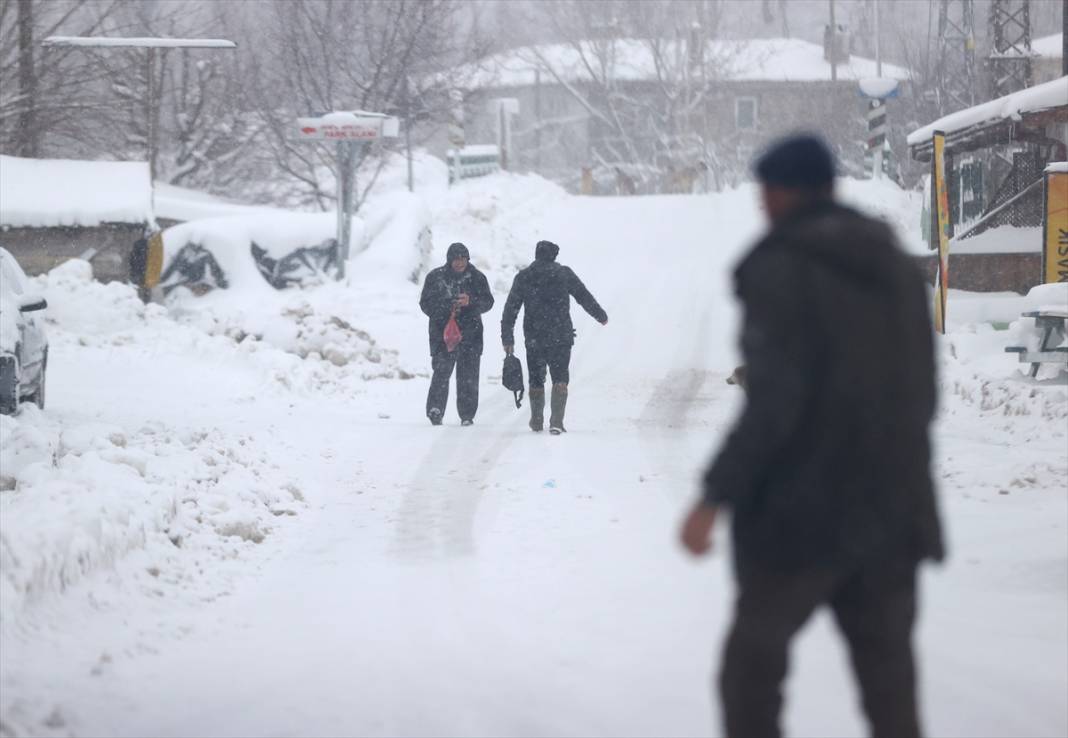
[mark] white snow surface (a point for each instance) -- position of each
(774, 60)
(1049, 46)
(215, 528)
(1040, 97)
(1001, 240)
(1057, 166)
(44, 193)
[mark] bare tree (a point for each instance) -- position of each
(46, 97)
(651, 132)
(329, 56)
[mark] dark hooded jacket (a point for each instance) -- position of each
(829, 462)
(441, 288)
(545, 289)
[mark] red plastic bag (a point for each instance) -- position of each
(452, 333)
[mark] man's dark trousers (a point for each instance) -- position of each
(466, 361)
(556, 358)
(874, 605)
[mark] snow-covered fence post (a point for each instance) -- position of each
(352, 131)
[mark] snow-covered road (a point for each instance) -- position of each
(490, 581)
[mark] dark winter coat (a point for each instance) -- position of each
(440, 289)
(829, 462)
(544, 289)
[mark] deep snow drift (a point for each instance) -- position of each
(233, 519)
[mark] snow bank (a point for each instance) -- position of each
(80, 497)
(884, 199)
(1001, 240)
(44, 193)
(1049, 46)
(500, 217)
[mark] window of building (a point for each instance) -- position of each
(745, 113)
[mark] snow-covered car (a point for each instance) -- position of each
(23, 343)
(279, 249)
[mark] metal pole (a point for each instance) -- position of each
(150, 112)
(408, 130)
(343, 155)
(834, 46)
(408, 148)
(878, 47)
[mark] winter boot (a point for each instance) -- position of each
(558, 403)
(435, 416)
(537, 408)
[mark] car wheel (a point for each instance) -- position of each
(38, 396)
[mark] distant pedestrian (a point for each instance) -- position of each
(458, 290)
(826, 472)
(544, 289)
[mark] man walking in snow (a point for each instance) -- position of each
(545, 289)
(826, 472)
(455, 289)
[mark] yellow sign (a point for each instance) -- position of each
(1055, 243)
(942, 231)
(154, 259)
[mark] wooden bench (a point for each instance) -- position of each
(1048, 321)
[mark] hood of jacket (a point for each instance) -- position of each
(859, 248)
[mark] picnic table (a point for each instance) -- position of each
(1053, 325)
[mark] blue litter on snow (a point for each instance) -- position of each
(549, 484)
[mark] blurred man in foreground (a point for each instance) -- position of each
(826, 472)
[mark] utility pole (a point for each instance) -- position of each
(27, 134)
(834, 45)
(878, 46)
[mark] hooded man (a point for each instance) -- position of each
(545, 289)
(826, 472)
(459, 289)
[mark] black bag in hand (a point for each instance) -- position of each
(512, 378)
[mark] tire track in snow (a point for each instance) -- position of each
(441, 499)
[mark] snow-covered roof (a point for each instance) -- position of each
(1049, 46)
(773, 60)
(1057, 166)
(1051, 94)
(43, 193)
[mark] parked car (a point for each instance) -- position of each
(23, 343)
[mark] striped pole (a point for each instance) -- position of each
(876, 137)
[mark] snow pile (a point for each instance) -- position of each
(1050, 46)
(182, 204)
(500, 218)
(1007, 239)
(976, 367)
(882, 198)
(80, 497)
(45, 193)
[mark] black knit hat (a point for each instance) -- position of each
(798, 162)
(456, 250)
(546, 251)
